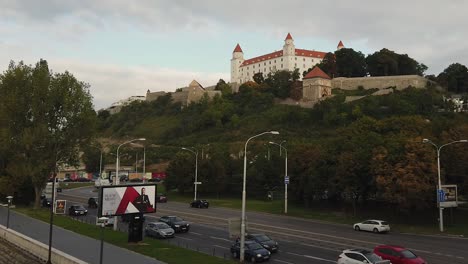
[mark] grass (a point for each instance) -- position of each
(73, 185)
(149, 247)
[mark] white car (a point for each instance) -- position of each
(376, 226)
(360, 256)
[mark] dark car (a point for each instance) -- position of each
(161, 198)
(200, 204)
(159, 230)
(93, 202)
(46, 202)
(265, 241)
(253, 251)
(83, 180)
(177, 223)
(77, 210)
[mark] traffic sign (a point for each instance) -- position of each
(441, 196)
(286, 180)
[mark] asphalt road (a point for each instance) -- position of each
(300, 240)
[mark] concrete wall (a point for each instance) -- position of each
(37, 248)
(151, 96)
(400, 82)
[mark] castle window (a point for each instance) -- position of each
(254, 66)
(281, 60)
(275, 61)
(281, 66)
(269, 62)
(304, 59)
(247, 68)
(295, 65)
(270, 68)
(295, 58)
(303, 65)
(264, 64)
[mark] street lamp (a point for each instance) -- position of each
(286, 179)
(117, 165)
(103, 220)
(242, 238)
(9, 198)
(439, 148)
(100, 162)
(196, 170)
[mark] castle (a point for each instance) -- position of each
(289, 58)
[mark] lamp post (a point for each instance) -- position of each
(103, 220)
(286, 182)
(9, 198)
(196, 170)
(439, 148)
(144, 163)
(100, 162)
(242, 238)
(117, 165)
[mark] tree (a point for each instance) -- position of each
(181, 173)
(48, 117)
(328, 64)
(350, 63)
(223, 87)
(387, 63)
(454, 78)
(258, 78)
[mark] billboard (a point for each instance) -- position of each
(60, 206)
(447, 197)
(127, 199)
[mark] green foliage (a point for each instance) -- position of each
(387, 63)
(328, 65)
(350, 63)
(454, 78)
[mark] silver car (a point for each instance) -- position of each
(159, 230)
(376, 226)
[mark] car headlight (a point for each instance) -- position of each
(176, 225)
(276, 243)
(85, 211)
(269, 253)
(267, 246)
(188, 225)
(259, 255)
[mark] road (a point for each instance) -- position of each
(301, 240)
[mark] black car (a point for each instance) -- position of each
(161, 198)
(177, 223)
(46, 202)
(253, 251)
(93, 202)
(265, 241)
(200, 204)
(77, 210)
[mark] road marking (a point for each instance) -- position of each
(184, 238)
(331, 249)
(220, 238)
(311, 257)
(220, 247)
(282, 261)
(195, 233)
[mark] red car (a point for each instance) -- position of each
(398, 255)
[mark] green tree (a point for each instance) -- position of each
(258, 78)
(328, 64)
(454, 78)
(181, 173)
(350, 63)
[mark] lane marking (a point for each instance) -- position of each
(186, 238)
(311, 257)
(220, 238)
(195, 233)
(282, 261)
(331, 249)
(220, 247)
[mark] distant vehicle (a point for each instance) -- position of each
(136, 180)
(264, 240)
(200, 204)
(101, 182)
(68, 180)
(77, 210)
(177, 223)
(360, 256)
(253, 251)
(154, 180)
(46, 202)
(159, 230)
(93, 202)
(398, 255)
(376, 226)
(110, 221)
(161, 198)
(83, 180)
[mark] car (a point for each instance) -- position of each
(253, 251)
(77, 210)
(154, 180)
(398, 255)
(46, 202)
(177, 223)
(109, 222)
(93, 202)
(82, 179)
(159, 230)
(136, 180)
(200, 204)
(264, 240)
(376, 226)
(161, 198)
(360, 256)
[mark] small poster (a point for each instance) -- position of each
(60, 206)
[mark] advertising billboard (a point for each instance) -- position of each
(127, 199)
(60, 206)
(447, 197)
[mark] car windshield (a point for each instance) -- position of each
(384, 223)
(372, 257)
(176, 219)
(161, 226)
(408, 254)
(262, 238)
(254, 246)
(79, 207)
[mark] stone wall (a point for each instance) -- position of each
(399, 82)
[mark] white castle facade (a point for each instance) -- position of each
(289, 58)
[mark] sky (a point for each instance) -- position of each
(124, 48)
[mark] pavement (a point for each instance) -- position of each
(79, 246)
(12, 254)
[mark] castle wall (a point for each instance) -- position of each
(153, 96)
(399, 82)
(313, 88)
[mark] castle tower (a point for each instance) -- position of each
(289, 52)
(340, 45)
(236, 61)
(316, 85)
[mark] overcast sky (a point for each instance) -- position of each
(123, 48)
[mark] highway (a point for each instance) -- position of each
(300, 240)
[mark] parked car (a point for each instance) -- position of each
(376, 226)
(83, 180)
(264, 240)
(77, 210)
(159, 230)
(253, 251)
(161, 198)
(46, 202)
(93, 202)
(200, 204)
(110, 221)
(177, 223)
(360, 256)
(398, 255)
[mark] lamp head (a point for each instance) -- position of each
(9, 198)
(274, 132)
(271, 142)
(464, 140)
(142, 139)
(425, 140)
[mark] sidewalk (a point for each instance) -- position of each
(79, 246)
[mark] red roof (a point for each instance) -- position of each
(340, 44)
(237, 48)
(277, 54)
(288, 37)
(316, 72)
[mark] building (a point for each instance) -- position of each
(186, 95)
(289, 58)
(316, 85)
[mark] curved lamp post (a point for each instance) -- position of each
(285, 174)
(9, 198)
(242, 238)
(195, 152)
(438, 149)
